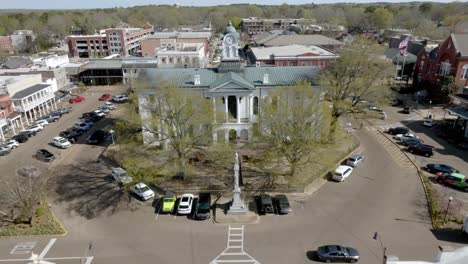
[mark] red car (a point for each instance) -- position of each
(76, 99)
(104, 97)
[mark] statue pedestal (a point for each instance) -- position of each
(237, 205)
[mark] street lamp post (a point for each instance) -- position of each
(384, 249)
(448, 208)
(112, 135)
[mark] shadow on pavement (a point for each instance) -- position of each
(450, 235)
(88, 190)
(312, 255)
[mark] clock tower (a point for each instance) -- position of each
(230, 43)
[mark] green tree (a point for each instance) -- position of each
(381, 18)
(236, 22)
(291, 122)
(425, 8)
(357, 75)
(181, 120)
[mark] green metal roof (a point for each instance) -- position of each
(248, 76)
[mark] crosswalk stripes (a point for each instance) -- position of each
(394, 151)
(234, 252)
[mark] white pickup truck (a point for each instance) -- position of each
(120, 176)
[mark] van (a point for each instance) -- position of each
(341, 173)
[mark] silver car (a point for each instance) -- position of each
(336, 253)
(355, 160)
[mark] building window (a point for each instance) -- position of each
(421, 66)
(163, 60)
(444, 68)
(464, 74)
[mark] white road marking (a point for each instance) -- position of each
(235, 249)
(47, 248)
(23, 248)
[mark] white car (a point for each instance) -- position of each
(110, 105)
(185, 204)
(34, 128)
(99, 113)
(12, 144)
(61, 142)
(355, 160)
(408, 135)
(429, 123)
(342, 172)
(143, 191)
(41, 122)
(82, 126)
(104, 109)
(120, 176)
(120, 98)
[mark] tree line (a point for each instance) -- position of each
(423, 18)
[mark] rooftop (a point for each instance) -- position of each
(181, 35)
(461, 43)
(307, 40)
(30, 90)
(264, 53)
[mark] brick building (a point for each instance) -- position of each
(254, 25)
(172, 40)
(122, 41)
(5, 43)
(448, 59)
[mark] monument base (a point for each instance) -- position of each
(223, 216)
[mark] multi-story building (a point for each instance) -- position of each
(268, 39)
(234, 90)
(183, 56)
(5, 44)
(122, 41)
(448, 59)
(175, 39)
(254, 25)
(293, 55)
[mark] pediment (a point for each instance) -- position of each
(231, 86)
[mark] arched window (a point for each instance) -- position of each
(255, 105)
(445, 68)
(464, 74)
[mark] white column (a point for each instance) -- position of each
(238, 109)
(214, 109)
(226, 115)
(215, 137)
(247, 106)
(226, 135)
(55, 104)
(1, 134)
(21, 122)
(13, 127)
(34, 112)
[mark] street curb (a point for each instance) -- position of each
(418, 170)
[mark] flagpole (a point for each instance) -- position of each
(404, 60)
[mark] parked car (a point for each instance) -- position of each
(92, 116)
(120, 98)
(104, 97)
(120, 176)
(355, 160)
(406, 141)
(98, 137)
(62, 111)
(21, 138)
(342, 172)
(27, 133)
(436, 168)
(99, 113)
(399, 137)
(110, 105)
(44, 155)
(88, 121)
(281, 203)
(265, 204)
(143, 191)
(4, 150)
(61, 142)
(336, 253)
(34, 128)
(203, 206)
(82, 126)
(104, 109)
(398, 130)
(76, 99)
(168, 202)
(429, 122)
(463, 145)
(453, 179)
(71, 135)
(408, 109)
(12, 144)
(421, 149)
(185, 204)
(52, 117)
(42, 122)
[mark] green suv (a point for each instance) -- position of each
(453, 179)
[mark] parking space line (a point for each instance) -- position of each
(47, 248)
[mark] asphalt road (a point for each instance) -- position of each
(380, 196)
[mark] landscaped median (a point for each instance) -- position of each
(43, 223)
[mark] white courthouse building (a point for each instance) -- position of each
(235, 90)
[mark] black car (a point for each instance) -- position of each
(21, 138)
(28, 133)
(203, 206)
(336, 253)
(406, 141)
(435, 168)
(421, 149)
(408, 110)
(98, 137)
(44, 155)
(398, 130)
(91, 116)
(71, 135)
(397, 102)
(282, 204)
(265, 204)
(52, 117)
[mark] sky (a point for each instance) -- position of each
(78, 4)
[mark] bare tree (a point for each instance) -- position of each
(177, 118)
(291, 123)
(358, 74)
(23, 194)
